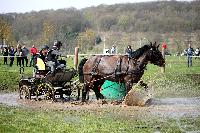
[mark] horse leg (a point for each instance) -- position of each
(97, 90)
(85, 93)
(99, 96)
(128, 85)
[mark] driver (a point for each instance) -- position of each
(52, 56)
(43, 52)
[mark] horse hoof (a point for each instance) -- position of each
(117, 102)
(104, 102)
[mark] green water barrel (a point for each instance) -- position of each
(113, 90)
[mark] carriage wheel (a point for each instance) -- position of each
(24, 92)
(46, 89)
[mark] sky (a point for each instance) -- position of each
(22, 6)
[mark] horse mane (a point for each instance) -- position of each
(140, 51)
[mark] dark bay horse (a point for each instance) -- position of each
(118, 68)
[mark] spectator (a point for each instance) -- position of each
(18, 52)
(184, 53)
(24, 55)
(5, 54)
(113, 50)
(33, 52)
(129, 51)
(12, 54)
(197, 52)
(190, 51)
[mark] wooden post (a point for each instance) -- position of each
(163, 54)
(104, 43)
(4, 41)
(76, 58)
(3, 44)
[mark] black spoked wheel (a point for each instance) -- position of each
(46, 90)
(24, 92)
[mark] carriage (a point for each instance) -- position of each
(61, 84)
(92, 73)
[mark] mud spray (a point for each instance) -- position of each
(139, 95)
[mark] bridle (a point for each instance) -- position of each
(153, 57)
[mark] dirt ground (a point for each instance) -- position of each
(163, 107)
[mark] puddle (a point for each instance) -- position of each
(9, 99)
(164, 107)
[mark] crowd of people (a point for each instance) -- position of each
(128, 50)
(21, 53)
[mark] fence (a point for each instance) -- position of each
(170, 60)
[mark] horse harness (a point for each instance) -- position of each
(118, 68)
(93, 72)
(118, 71)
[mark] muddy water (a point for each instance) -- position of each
(166, 107)
(176, 101)
(9, 99)
(175, 107)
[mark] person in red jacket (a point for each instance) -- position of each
(33, 52)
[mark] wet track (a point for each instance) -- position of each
(166, 107)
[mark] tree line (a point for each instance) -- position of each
(84, 27)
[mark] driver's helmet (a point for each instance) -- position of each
(57, 44)
(45, 47)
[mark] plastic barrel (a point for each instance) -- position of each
(113, 90)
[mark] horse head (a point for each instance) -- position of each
(155, 56)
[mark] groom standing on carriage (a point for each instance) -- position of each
(53, 55)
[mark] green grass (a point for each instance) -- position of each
(82, 121)
(177, 77)
(177, 81)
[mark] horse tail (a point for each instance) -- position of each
(80, 70)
